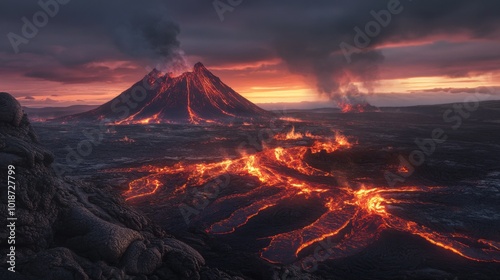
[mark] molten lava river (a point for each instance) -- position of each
(353, 216)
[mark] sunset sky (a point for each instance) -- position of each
(268, 51)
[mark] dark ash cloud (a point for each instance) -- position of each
(305, 35)
(85, 32)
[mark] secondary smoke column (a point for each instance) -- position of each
(317, 51)
(351, 99)
(313, 40)
(332, 74)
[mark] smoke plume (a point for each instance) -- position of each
(332, 74)
(154, 38)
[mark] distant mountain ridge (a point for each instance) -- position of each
(56, 112)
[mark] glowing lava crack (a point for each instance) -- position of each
(193, 97)
(353, 218)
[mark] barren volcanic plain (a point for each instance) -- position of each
(399, 193)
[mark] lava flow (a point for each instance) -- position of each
(264, 166)
(353, 217)
(293, 135)
(356, 108)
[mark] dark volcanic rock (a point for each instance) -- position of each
(10, 109)
(68, 229)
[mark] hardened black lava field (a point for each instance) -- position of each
(313, 193)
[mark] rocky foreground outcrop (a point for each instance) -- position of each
(68, 229)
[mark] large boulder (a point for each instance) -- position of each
(68, 229)
(10, 110)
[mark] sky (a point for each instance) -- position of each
(296, 52)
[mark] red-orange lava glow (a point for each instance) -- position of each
(293, 135)
(353, 217)
(355, 108)
(357, 218)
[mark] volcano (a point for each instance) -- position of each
(193, 97)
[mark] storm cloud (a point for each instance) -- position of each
(85, 32)
(440, 38)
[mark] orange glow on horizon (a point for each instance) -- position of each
(270, 84)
